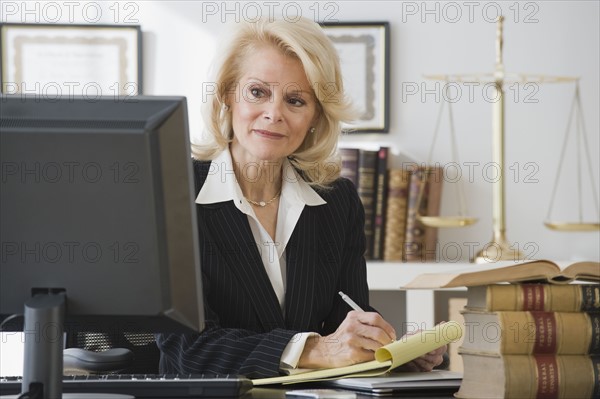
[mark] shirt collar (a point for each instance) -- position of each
(221, 184)
(296, 189)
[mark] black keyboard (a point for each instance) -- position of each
(147, 386)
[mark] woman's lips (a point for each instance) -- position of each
(268, 134)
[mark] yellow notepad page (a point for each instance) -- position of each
(387, 357)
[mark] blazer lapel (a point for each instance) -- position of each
(233, 237)
(302, 263)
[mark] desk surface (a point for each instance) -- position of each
(279, 393)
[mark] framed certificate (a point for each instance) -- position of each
(55, 60)
(364, 49)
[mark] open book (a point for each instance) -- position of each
(509, 272)
(387, 357)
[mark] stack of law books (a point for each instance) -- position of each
(536, 335)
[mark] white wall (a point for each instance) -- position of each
(543, 37)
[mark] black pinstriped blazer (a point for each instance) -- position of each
(246, 331)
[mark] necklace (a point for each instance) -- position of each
(262, 204)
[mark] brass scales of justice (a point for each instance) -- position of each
(499, 248)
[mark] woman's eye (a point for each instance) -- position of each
(257, 92)
(297, 102)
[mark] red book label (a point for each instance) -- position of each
(547, 369)
(545, 332)
(533, 297)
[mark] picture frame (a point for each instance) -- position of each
(54, 60)
(364, 51)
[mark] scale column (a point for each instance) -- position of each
(499, 248)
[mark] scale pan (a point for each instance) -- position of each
(573, 226)
(447, 221)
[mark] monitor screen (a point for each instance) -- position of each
(97, 204)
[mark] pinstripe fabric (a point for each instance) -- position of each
(246, 332)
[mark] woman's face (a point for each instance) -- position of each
(273, 107)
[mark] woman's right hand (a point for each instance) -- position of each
(355, 341)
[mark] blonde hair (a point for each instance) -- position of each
(316, 158)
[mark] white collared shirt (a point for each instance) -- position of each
(221, 185)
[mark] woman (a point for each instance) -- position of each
(280, 232)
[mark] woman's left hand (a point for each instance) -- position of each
(426, 362)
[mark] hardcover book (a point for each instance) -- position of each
(366, 191)
(395, 227)
(349, 158)
(510, 272)
(424, 198)
(381, 195)
(523, 376)
(545, 297)
(525, 333)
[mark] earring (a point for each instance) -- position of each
(224, 109)
(312, 130)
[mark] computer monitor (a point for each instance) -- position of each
(98, 228)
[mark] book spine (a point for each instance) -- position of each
(421, 241)
(366, 191)
(435, 181)
(544, 297)
(589, 297)
(535, 333)
(396, 214)
(381, 192)
(540, 376)
(547, 376)
(349, 158)
(414, 234)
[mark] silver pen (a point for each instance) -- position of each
(353, 304)
(350, 302)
